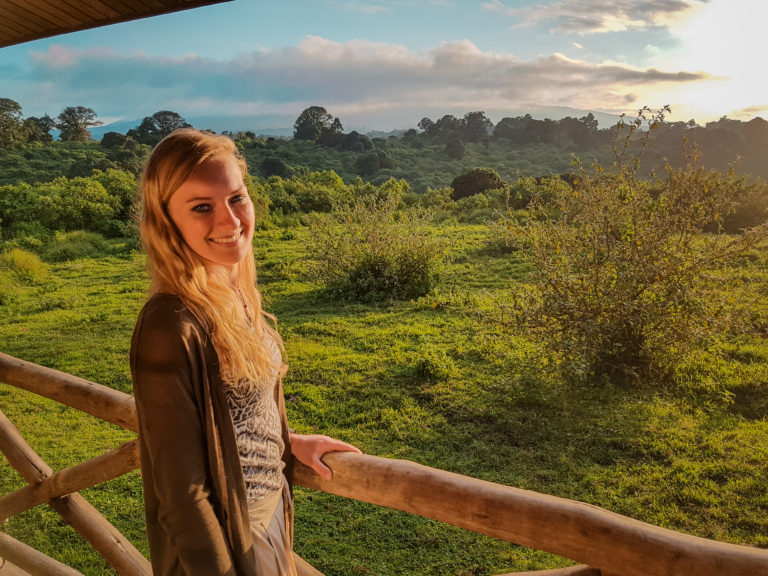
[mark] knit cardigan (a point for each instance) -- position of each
(194, 492)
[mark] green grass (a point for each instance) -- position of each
(431, 381)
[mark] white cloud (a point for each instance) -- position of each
(596, 16)
(367, 80)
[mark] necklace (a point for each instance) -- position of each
(244, 302)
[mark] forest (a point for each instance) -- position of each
(547, 304)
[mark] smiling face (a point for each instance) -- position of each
(214, 213)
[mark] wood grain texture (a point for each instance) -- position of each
(95, 399)
(103, 468)
(74, 509)
(28, 20)
(29, 560)
(582, 532)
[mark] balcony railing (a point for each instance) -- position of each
(607, 544)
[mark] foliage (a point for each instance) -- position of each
(475, 181)
(455, 148)
(100, 203)
(24, 266)
(74, 122)
(625, 280)
(12, 132)
(315, 123)
(368, 251)
(75, 245)
(156, 127)
(317, 191)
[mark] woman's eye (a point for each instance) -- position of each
(201, 208)
(237, 198)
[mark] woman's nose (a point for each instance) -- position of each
(227, 216)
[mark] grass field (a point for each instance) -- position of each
(431, 381)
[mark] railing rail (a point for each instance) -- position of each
(607, 543)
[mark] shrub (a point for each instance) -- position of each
(25, 266)
(369, 251)
(625, 279)
(73, 246)
(476, 181)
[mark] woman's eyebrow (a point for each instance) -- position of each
(198, 199)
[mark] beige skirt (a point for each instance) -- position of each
(272, 543)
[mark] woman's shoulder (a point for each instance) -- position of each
(166, 314)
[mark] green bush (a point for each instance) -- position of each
(626, 281)
(73, 246)
(370, 251)
(476, 181)
(25, 266)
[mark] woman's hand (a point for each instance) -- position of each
(309, 449)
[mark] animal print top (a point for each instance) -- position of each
(258, 431)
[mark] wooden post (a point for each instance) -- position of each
(100, 401)
(31, 560)
(74, 509)
(581, 532)
(95, 471)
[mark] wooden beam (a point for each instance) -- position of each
(581, 532)
(100, 401)
(103, 468)
(30, 560)
(74, 509)
(580, 570)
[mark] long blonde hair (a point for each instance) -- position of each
(243, 348)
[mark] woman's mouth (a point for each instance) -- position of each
(227, 239)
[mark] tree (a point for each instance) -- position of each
(156, 127)
(426, 125)
(39, 129)
(12, 130)
(311, 122)
(474, 126)
(447, 127)
(512, 128)
(74, 122)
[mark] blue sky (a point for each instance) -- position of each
(387, 63)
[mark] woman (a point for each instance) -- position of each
(207, 366)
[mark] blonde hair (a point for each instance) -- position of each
(243, 348)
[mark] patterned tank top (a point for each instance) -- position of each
(259, 433)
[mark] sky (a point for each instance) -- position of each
(385, 64)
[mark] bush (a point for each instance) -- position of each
(475, 181)
(25, 266)
(369, 251)
(73, 246)
(625, 279)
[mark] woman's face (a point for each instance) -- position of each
(214, 213)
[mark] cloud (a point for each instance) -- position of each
(597, 16)
(362, 79)
(750, 112)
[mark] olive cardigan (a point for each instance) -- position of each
(194, 492)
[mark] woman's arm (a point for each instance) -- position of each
(309, 449)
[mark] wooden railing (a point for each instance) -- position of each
(607, 544)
